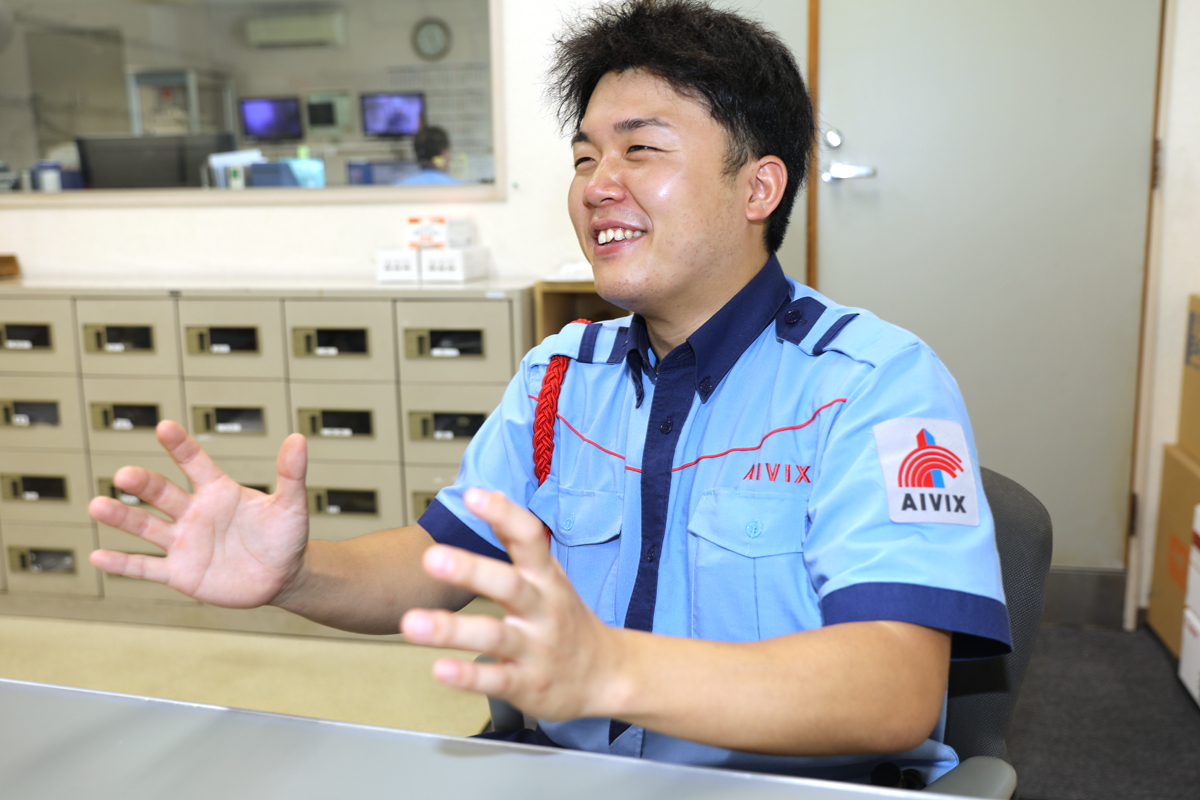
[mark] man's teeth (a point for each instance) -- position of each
(617, 234)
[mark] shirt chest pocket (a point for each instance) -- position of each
(586, 528)
(749, 579)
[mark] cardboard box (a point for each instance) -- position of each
(398, 265)
(1189, 657)
(440, 233)
(1176, 508)
(1189, 404)
(454, 265)
(1192, 598)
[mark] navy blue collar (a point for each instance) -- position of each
(720, 341)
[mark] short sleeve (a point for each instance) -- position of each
(499, 458)
(900, 528)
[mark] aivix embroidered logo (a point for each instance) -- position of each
(927, 471)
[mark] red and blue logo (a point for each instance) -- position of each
(923, 467)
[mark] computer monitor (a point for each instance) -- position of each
(148, 162)
(392, 113)
(271, 119)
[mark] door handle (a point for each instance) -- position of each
(841, 172)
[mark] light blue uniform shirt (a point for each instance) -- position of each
(777, 472)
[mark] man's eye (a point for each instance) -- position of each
(579, 161)
(635, 147)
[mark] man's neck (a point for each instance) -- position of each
(672, 326)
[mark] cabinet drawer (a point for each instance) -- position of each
(232, 338)
(41, 412)
(331, 340)
(348, 422)
(49, 559)
(454, 341)
(122, 414)
(421, 485)
(37, 335)
(128, 337)
(237, 418)
(438, 421)
(348, 500)
(37, 486)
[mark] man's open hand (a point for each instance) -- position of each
(557, 660)
(226, 544)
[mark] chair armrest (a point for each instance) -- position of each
(979, 776)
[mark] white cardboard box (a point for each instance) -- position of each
(1192, 595)
(440, 233)
(454, 265)
(398, 265)
(1189, 654)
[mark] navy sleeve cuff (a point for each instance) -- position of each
(445, 528)
(979, 624)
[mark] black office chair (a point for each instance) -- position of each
(982, 693)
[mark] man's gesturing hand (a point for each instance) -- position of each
(557, 659)
(227, 544)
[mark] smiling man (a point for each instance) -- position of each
(767, 537)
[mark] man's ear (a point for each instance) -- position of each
(767, 182)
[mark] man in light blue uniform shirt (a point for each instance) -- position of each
(739, 491)
(768, 535)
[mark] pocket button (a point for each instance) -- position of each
(568, 523)
(754, 529)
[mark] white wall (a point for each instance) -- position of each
(1174, 268)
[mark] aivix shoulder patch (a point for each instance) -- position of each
(927, 471)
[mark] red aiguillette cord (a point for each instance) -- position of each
(544, 416)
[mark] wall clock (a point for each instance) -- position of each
(431, 39)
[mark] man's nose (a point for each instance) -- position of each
(604, 185)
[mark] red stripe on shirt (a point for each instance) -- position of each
(763, 441)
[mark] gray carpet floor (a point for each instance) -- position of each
(1101, 714)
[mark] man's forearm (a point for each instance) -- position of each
(366, 584)
(867, 687)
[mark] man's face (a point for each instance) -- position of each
(654, 212)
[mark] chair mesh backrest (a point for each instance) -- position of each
(983, 692)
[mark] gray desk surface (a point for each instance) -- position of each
(57, 742)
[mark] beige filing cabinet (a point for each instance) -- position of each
(421, 486)
(49, 559)
(243, 366)
(41, 411)
(439, 421)
(237, 418)
(340, 340)
(454, 342)
(232, 339)
(40, 486)
(37, 335)
(348, 422)
(123, 412)
(128, 337)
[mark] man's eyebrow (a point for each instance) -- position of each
(625, 126)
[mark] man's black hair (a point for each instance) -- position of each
(744, 73)
(429, 143)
